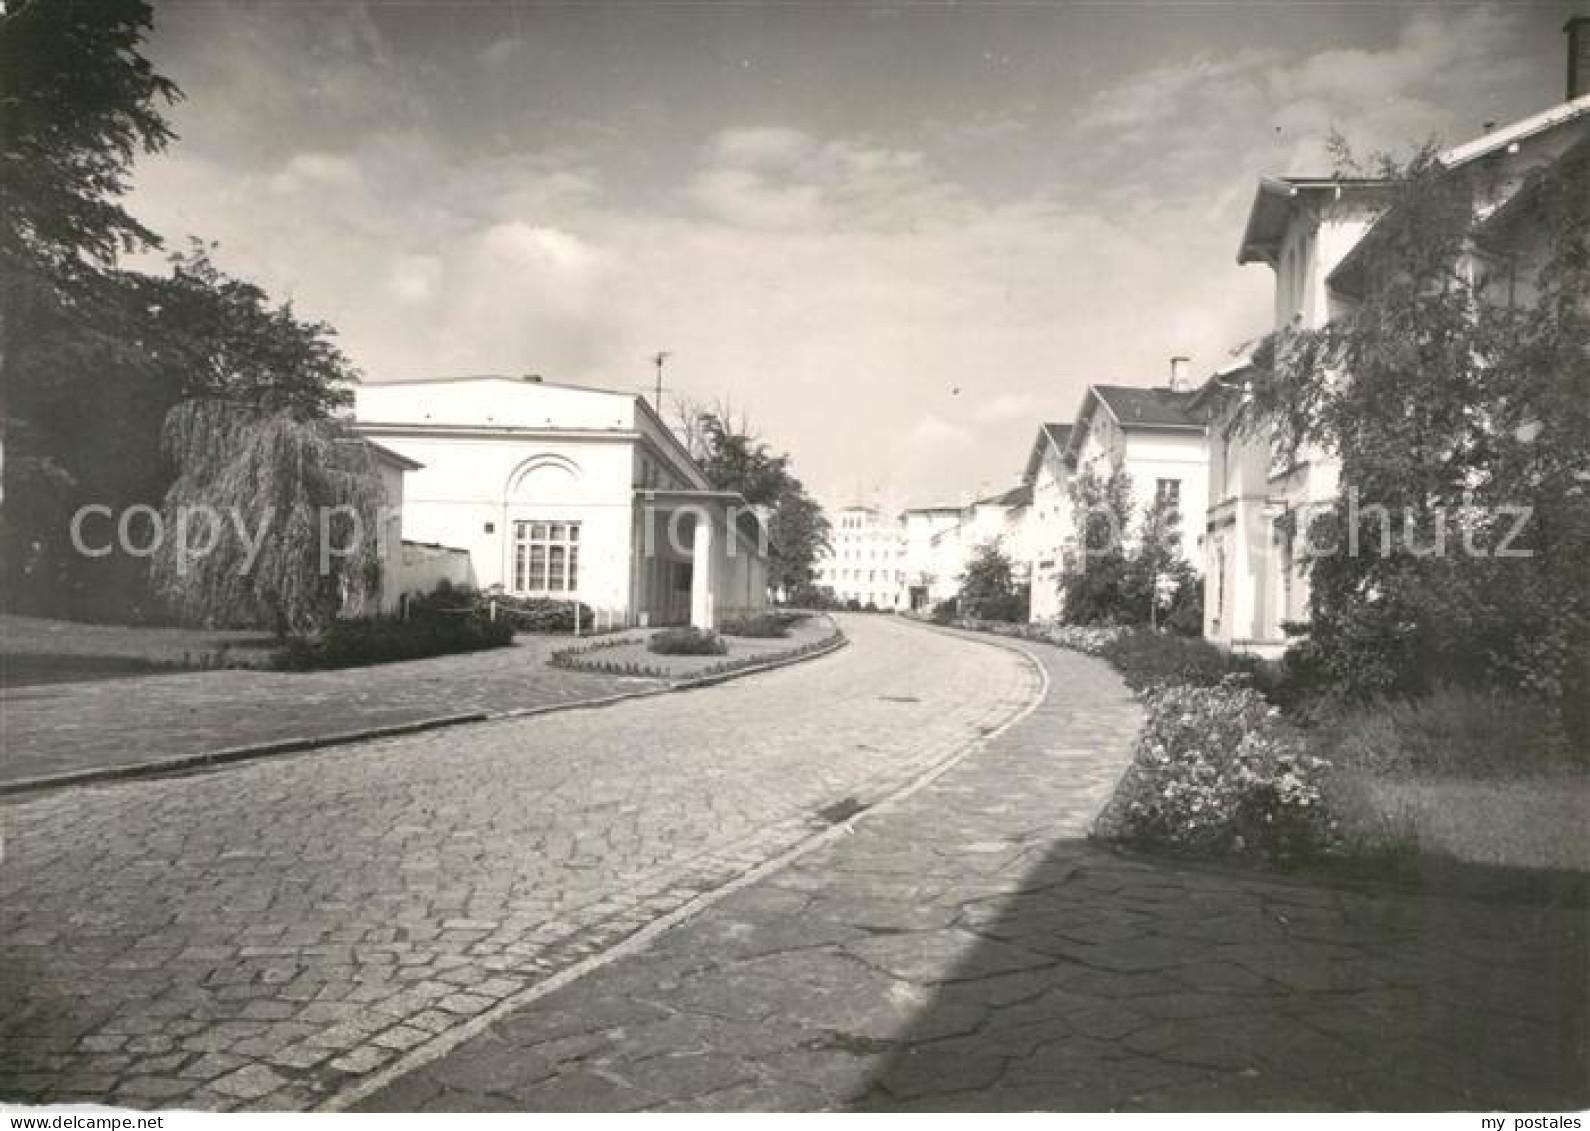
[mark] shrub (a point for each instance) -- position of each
(1215, 773)
(539, 614)
(1149, 659)
(1092, 639)
(686, 642)
(758, 625)
(944, 612)
(1185, 616)
(1452, 731)
(812, 596)
(375, 640)
(1007, 608)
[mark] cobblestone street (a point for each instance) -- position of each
(966, 949)
(269, 934)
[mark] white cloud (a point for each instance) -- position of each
(762, 146)
(1009, 406)
(838, 286)
(932, 432)
(316, 172)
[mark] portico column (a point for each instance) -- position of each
(701, 571)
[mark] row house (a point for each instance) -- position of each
(1156, 437)
(1049, 531)
(1317, 235)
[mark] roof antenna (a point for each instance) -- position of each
(657, 359)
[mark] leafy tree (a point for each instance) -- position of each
(79, 103)
(273, 519)
(734, 458)
(1142, 580)
(95, 392)
(1449, 394)
(1093, 590)
(988, 588)
(1157, 579)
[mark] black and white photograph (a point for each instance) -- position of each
(765, 556)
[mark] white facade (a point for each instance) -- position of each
(1050, 535)
(568, 492)
(866, 561)
(1307, 232)
(954, 539)
(1154, 436)
(923, 560)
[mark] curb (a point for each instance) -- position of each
(165, 766)
(233, 754)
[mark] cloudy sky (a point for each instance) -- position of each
(895, 236)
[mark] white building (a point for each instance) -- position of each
(946, 539)
(1313, 233)
(923, 558)
(1156, 436)
(568, 492)
(865, 562)
(408, 566)
(1049, 534)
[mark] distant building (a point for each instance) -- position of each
(567, 492)
(865, 563)
(921, 562)
(954, 535)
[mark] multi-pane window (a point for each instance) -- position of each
(1167, 492)
(546, 557)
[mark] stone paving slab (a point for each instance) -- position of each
(50, 729)
(967, 949)
(269, 935)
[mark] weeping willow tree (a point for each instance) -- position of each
(273, 520)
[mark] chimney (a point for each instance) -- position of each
(1578, 32)
(1179, 367)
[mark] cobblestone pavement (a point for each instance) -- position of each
(268, 934)
(964, 949)
(63, 727)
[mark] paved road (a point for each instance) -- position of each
(964, 949)
(269, 934)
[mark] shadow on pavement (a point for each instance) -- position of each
(1112, 982)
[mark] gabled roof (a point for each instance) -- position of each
(1523, 206)
(1056, 436)
(1018, 496)
(1133, 406)
(1220, 381)
(1136, 408)
(1518, 131)
(1348, 274)
(1274, 202)
(396, 459)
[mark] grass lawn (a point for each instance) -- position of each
(36, 650)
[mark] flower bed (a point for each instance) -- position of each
(1215, 772)
(631, 654)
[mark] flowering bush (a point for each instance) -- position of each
(1092, 639)
(1215, 772)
